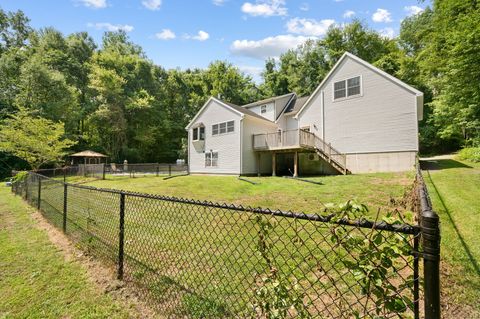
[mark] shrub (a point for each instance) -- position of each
(471, 154)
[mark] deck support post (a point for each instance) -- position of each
(295, 164)
(274, 163)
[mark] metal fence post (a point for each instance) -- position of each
(103, 172)
(431, 263)
(64, 174)
(25, 182)
(169, 169)
(121, 236)
(158, 169)
(39, 197)
(65, 197)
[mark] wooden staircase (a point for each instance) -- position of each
(325, 150)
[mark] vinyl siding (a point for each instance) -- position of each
(312, 116)
(252, 126)
(269, 115)
(227, 145)
(383, 119)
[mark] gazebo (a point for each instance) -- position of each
(89, 157)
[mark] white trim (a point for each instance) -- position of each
(205, 106)
(241, 147)
(347, 97)
(364, 63)
(226, 128)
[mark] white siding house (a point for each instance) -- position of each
(359, 119)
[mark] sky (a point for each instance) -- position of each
(187, 34)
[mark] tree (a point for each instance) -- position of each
(36, 140)
(301, 70)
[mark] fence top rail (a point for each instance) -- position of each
(361, 223)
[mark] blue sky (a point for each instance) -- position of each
(181, 33)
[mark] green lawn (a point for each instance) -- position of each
(35, 279)
(205, 262)
(455, 191)
(375, 190)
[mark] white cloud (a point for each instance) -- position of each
(348, 14)
(387, 33)
(268, 47)
(413, 10)
(265, 8)
(201, 36)
(152, 4)
(305, 6)
(309, 26)
(97, 4)
(219, 2)
(254, 71)
(165, 34)
(382, 15)
(111, 27)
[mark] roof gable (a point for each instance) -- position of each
(364, 63)
(230, 106)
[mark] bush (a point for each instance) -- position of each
(471, 154)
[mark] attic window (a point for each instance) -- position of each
(347, 88)
(263, 109)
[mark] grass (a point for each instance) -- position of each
(205, 262)
(454, 187)
(374, 190)
(35, 279)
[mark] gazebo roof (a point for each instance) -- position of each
(88, 153)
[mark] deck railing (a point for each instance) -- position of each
(298, 139)
(280, 139)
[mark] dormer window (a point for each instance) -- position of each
(263, 109)
(199, 133)
(347, 88)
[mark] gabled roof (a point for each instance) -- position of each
(269, 100)
(296, 105)
(235, 108)
(367, 65)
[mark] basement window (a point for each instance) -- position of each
(347, 88)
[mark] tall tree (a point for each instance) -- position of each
(36, 140)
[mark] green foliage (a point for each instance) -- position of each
(371, 258)
(275, 296)
(36, 140)
(302, 69)
(198, 307)
(471, 154)
(20, 177)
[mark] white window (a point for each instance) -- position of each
(211, 159)
(230, 126)
(199, 133)
(347, 88)
(263, 109)
(223, 128)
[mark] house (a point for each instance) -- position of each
(359, 119)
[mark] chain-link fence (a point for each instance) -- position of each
(146, 169)
(206, 260)
(72, 173)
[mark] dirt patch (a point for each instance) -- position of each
(97, 273)
(451, 307)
